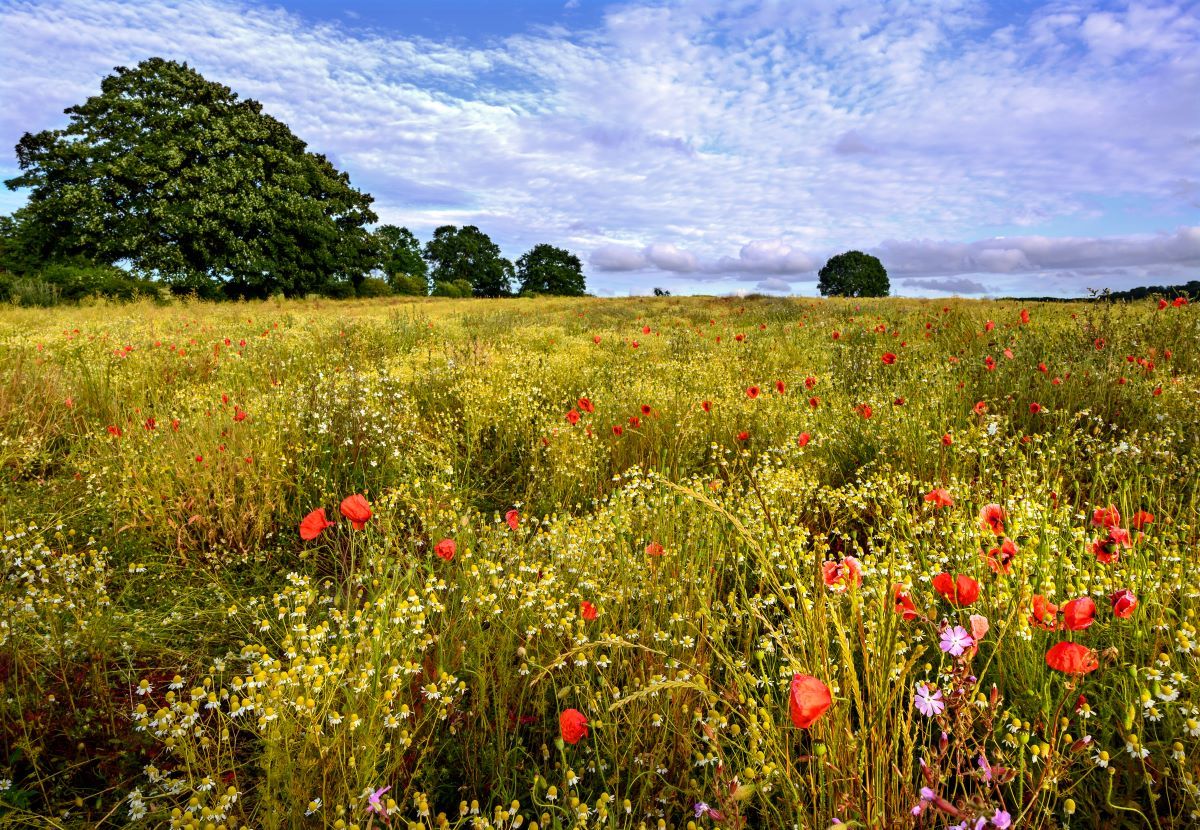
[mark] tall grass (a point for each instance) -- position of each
(172, 654)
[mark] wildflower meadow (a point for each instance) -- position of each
(587, 563)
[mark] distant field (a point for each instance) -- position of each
(612, 553)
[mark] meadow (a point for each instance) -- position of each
(633, 563)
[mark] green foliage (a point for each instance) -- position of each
(401, 261)
(853, 274)
(72, 281)
(469, 254)
(546, 269)
(174, 174)
(374, 287)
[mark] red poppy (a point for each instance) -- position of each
(888, 358)
(1024, 316)
(356, 509)
(1072, 658)
(654, 549)
(596, 339)
(1141, 518)
(513, 518)
(1079, 614)
(752, 392)
(239, 414)
(150, 424)
(573, 726)
(989, 325)
(1108, 549)
(1179, 302)
(1162, 304)
(840, 576)
(618, 430)
(739, 337)
(573, 417)
(898, 402)
(814, 401)
(1043, 368)
(645, 329)
(864, 409)
(635, 421)
(1035, 408)
(780, 387)
(1000, 559)
(1123, 603)
(1106, 517)
(808, 701)
(947, 440)
(706, 406)
(803, 440)
(313, 524)
(905, 606)
(1045, 613)
(587, 610)
(115, 431)
(979, 408)
(743, 436)
(990, 363)
(959, 590)
(586, 405)
(646, 409)
(446, 549)
(992, 517)
(837, 335)
(810, 382)
(939, 497)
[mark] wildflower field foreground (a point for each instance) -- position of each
(600, 563)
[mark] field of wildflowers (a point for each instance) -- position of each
(600, 563)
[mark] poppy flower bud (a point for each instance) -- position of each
(572, 725)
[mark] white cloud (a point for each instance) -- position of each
(673, 133)
(617, 258)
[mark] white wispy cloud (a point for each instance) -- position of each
(714, 142)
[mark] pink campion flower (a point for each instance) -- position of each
(928, 701)
(374, 805)
(956, 640)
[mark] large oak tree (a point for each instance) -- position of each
(176, 176)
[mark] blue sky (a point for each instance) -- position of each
(708, 146)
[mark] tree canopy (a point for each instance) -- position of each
(853, 274)
(401, 261)
(469, 254)
(546, 269)
(175, 176)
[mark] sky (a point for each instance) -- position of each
(705, 146)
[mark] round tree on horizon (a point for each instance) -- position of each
(853, 274)
(547, 269)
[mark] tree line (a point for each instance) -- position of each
(168, 179)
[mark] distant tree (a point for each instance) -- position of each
(375, 287)
(401, 261)
(176, 176)
(546, 269)
(22, 246)
(457, 288)
(661, 292)
(853, 274)
(469, 254)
